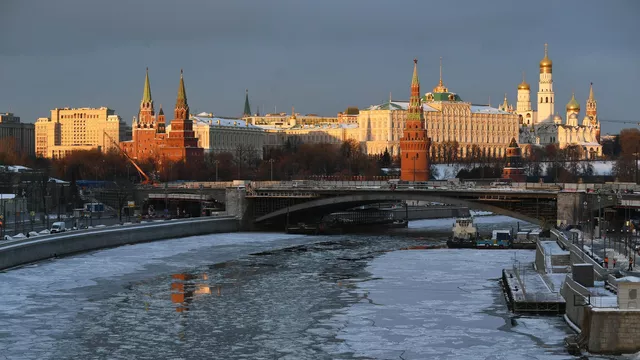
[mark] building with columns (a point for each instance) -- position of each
(73, 129)
(414, 145)
(453, 125)
(151, 138)
(544, 126)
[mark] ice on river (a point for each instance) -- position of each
(428, 304)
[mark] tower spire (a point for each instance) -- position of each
(505, 104)
(414, 79)
(146, 95)
(247, 108)
(591, 97)
(181, 101)
(440, 82)
(440, 88)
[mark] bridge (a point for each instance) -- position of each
(274, 203)
(270, 203)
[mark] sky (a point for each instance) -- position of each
(319, 56)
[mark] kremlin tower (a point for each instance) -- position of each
(414, 145)
(150, 137)
(514, 169)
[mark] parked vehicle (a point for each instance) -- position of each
(58, 227)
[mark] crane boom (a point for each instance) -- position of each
(147, 180)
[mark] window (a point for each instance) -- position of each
(546, 100)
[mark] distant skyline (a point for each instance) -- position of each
(320, 57)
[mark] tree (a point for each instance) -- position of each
(385, 160)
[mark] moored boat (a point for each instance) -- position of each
(464, 234)
(500, 239)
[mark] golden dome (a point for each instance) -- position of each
(573, 104)
(546, 64)
(523, 85)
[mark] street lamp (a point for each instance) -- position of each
(216, 162)
(271, 161)
(414, 167)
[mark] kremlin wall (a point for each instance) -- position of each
(428, 126)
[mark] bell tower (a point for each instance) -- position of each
(414, 145)
(546, 97)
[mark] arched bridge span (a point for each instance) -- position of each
(535, 210)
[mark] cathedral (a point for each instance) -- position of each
(543, 126)
(152, 141)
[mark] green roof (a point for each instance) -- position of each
(442, 97)
(146, 95)
(182, 93)
(247, 108)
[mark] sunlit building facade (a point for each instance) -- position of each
(73, 129)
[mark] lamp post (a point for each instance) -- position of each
(201, 187)
(636, 165)
(271, 161)
(216, 162)
(414, 167)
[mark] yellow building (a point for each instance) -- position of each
(69, 130)
(457, 128)
(306, 130)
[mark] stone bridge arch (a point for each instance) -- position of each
(344, 202)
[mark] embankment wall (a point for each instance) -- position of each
(19, 252)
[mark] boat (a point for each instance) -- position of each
(464, 235)
(500, 239)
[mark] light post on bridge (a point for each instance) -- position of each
(414, 167)
(216, 162)
(271, 161)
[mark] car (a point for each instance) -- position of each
(58, 227)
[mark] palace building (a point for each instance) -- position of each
(456, 127)
(544, 126)
(151, 138)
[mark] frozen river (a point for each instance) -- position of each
(274, 296)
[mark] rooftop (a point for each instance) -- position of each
(397, 105)
(211, 120)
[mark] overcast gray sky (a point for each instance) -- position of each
(320, 56)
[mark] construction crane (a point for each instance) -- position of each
(147, 179)
(621, 122)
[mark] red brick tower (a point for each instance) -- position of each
(514, 169)
(181, 143)
(414, 145)
(144, 129)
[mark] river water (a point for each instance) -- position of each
(275, 296)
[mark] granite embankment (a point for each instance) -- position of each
(24, 251)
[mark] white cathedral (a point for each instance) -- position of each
(541, 127)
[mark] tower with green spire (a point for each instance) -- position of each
(181, 111)
(147, 113)
(414, 145)
(247, 108)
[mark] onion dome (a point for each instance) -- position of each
(546, 64)
(524, 85)
(557, 118)
(573, 105)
